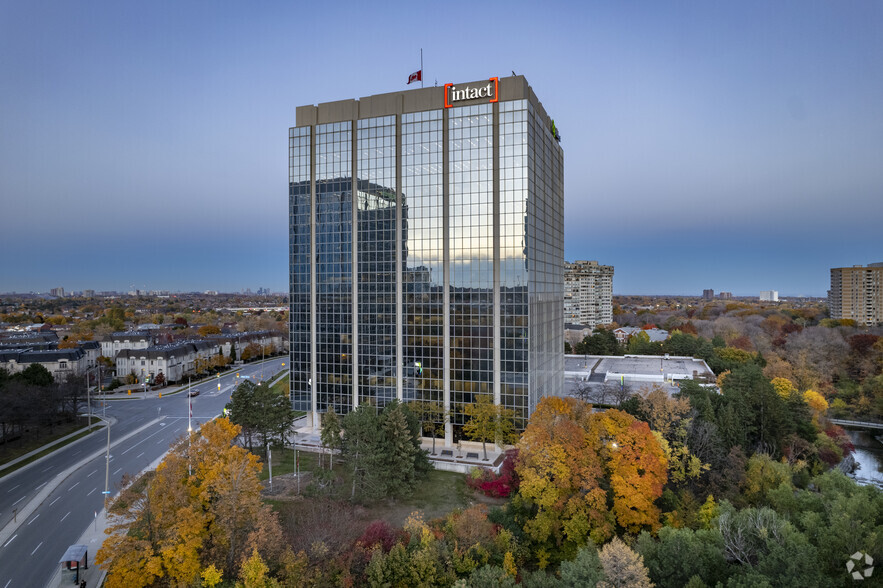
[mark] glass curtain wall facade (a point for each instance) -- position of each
(423, 277)
(440, 278)
(376, 215)
(300, 298)
(334, 267)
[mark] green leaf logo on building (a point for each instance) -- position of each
(855, 560)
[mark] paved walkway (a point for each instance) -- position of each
(461, 457)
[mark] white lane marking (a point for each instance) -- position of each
(140, 442)
(10, 541)
(76, 452)
(36, 548)
(139, 455)
(13, 488)
(65, 516)
(43, 484)
(17, 501)
(160, 441)
(93, 471)
(44, 471)
(93, 490)
(74, 486)
(34, 519)
(54, 501)
(7, 584)
(118, 469)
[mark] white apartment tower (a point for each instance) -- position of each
(588, 293)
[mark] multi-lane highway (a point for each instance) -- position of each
(32, 545)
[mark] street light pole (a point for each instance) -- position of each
(189, 428)
(270, 465)
(88, 401)
(107, 467)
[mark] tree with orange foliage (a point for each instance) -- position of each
(207, 330)
(636, 466)
(569, 457)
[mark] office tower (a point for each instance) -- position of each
(426, 250)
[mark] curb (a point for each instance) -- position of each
(95, 533)
(50, 486)
(93, 537)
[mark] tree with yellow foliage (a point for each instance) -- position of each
(784, 387)
(816, 403)
(183, 522)
(489, 422)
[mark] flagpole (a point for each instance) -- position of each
(421, 67)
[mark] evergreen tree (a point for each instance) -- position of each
(399, 451)
(330, 435)
(362, 449)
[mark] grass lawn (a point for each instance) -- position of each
(335, 521)
(12, 450)
(332, 518)
(280, 387)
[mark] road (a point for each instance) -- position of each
(29, 556)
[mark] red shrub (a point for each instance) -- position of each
(839, 436)
(379, 533)
(498, 485)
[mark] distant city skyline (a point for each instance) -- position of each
(727, 146)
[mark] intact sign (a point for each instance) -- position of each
(490, 90)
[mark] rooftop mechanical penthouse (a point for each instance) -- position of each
(426, 250)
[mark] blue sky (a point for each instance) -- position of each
(730, 146)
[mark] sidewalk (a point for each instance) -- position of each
(93, 537)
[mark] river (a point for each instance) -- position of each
(869, 454)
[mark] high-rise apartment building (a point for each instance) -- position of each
(588, 293)
(708, 294)
(426, 250)
(857, 293)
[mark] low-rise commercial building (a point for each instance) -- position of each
(633, 371)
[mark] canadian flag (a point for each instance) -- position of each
(417, 76)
